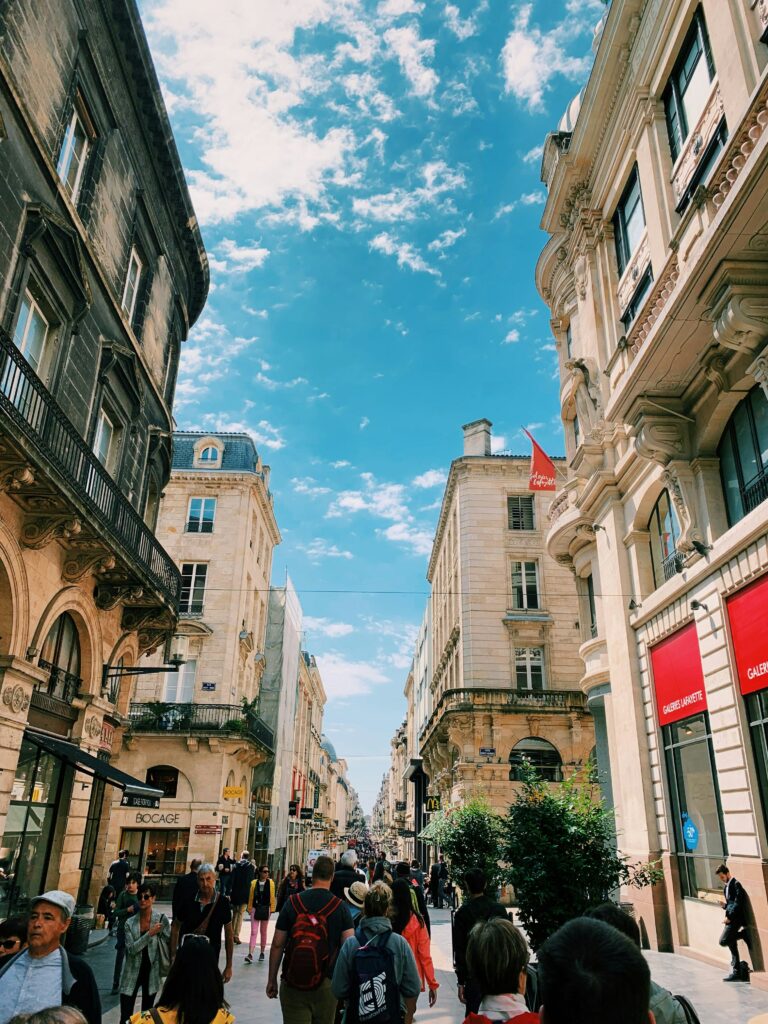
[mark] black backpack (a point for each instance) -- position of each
(374, 997)
(691, 1017)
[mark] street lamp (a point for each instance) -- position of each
(175, 656)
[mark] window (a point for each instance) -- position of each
(689, 85)
(75, 147)
(180, 686)
(664, 528)
(591, 606)
(202, 512)
(525, 586)
(638, 298)
(61, 656)
(743, 453)
(165, 777)
(104, 440)
(209, 455)
(576, 432)
(193, 577)
(629, 221)
(541, 755)
(520, 512)
(696, 812)
(529, 668)
(132, 282)
(31, 334)
(569, 341)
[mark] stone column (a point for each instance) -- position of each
(18, 678)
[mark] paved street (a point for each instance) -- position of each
(715, 1002)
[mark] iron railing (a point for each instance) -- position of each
(755, 492)
(159, 716)
(61, 685)
(38, 417)
(672, 564)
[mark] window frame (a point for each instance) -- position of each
(521, 498)
(34, 305)
(191, 606)
(730, 436)
(528, 663)
(81, 116)
(551, 772)
(201, 520)
(620, 220)
(673, 95)
(201, 458)
(675, 555)
(524, 566)
(130, 310)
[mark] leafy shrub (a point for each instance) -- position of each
(471, 837)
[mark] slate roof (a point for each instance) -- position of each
(239, 452)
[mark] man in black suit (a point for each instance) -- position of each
(437, 876)
(186, 887)
(735, 906)
(477, 907)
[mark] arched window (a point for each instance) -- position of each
(209, 455)
(165, 777)
(743, 455)
(541, 755)
(664, 528)
(61, 655)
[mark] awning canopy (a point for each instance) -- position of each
(413, 769)
(91, 765)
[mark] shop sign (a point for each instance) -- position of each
(432, 804)
(487, 751)
(293, 806)
(208, 830)
(678, 677)
(400, 805)
(209, 687)
(107, 736)
(307, 813)
(748, 616)
(135, 800)
(234, 792)
(157, 819)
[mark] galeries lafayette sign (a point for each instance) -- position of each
(678, 678)
(748, 617)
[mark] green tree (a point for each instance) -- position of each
(561, 854)
(471, 837)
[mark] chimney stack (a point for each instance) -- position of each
(477, 437)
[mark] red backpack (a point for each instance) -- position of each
(309, 952)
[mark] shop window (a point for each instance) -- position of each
(538, 753)
(76, 147)
(201, 515)
(689, 85)
(743, 453)
(696, 811)
(520, 515)
(193, 579)
(165, 777)
(664, 529)
(525, 585)
(160, 855)
(529, 668)
(60, 655)
(629, 221)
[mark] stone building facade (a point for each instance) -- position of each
(197, 733)
(506, 627)
(102, 272)
(305, 826)
(656, 276)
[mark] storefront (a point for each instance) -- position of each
(158, 847)
(682, 711)
(38, 813)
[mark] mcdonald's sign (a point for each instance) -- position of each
(432, 804)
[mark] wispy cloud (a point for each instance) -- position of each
(238, 259)
(364, 422)
(446, 240)
(431, 478)
(406, 254)
(326, 627)
(533, 155)
(512, 337)
(277, 385)
(319, 549)
(347, 677)
(418, 540)
(386, 500)
(414, 54)
(264, 434)
(309, 487)
(438, 183)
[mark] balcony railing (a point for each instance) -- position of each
(62, 685)
(672, 564)
(755, 492)
(37, 416)
(487, 699)
(158, 716)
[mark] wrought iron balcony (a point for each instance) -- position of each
(199, 719)
(62, 685)
(755, 492)
(502, 700)
(673, 564)
(45, 436)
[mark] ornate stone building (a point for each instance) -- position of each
(305, 826)
(102, 272)
(505, 633)
(657, 279)
(198, 733)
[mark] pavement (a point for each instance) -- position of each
(715, 1002)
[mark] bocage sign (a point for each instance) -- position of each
(157, 819)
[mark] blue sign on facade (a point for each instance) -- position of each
(690, 833)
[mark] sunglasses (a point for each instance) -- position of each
(145, 896)
(9, 943)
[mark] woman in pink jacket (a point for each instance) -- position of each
(408, 922)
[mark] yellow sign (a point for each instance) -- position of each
(234, 792)
(432, 804)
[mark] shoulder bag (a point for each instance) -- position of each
(163, 950)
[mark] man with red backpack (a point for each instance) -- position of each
(311, 928)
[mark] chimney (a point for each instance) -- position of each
(477, 437)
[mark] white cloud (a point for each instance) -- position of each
(341, 464)
(318, 549)
(512, 337)
(521, 316)
(206, 357)
(431, 478)
(504, 209)
(531, 59)
(533, 198)
(413, 53)
(386, 500)
(533, 155)
(446, 240)
(397, 8)
(407, 255)
(277, 385)
(418, 540)
(432, 507)
(264, 434)
(343, 677)
(309, 487)
(238, 259)
(364, 422)
(498, 443)
(401, 204)
(461, 28)
(326, 627)
(262, 314)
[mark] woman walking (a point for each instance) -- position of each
(409, 923)
(194, 991)
(145, 960)
(261, 903)
(290, 885)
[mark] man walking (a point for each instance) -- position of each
(437, 877)
(186, 887)
(208, 913)
(311, 928)
(478, 907)
(224, 866)
(126, 905)
(346, 874)
(44, 975)
(118, 872)
(734, 904)
(243, 874)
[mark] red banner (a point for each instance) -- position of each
(678, 677)
(748, 616)
(542, 476)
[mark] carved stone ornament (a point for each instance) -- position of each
(567, 562)
(714, 366)
(681, 492)
(108, 597)
(698, 139)
(660, 438)
(16, 698)
(584, 393)
(78, 566)
(759, 370)
(742, 322)
(92, 727)
(39, 531)
(16, 477)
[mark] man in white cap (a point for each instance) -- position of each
(44, 974)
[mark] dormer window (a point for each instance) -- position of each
(209, 455)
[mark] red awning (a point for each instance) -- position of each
(748, 616)
(678, 677)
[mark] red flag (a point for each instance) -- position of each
(542, 476)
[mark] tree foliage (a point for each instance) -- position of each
(561, 854)
(471, 837)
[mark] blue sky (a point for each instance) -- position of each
(366, 175)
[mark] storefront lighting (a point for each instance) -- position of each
(697, 605)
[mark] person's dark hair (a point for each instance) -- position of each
(133, 876)
(380, 856)
(496, 954)
(14, 928)
(378, 900)
(722, 869)
(616, 918)
(591, 974)
(475, 881)
(402, 869)
(193, 987)
(299, 872)
(148, 887)
(415, 864)
(123, 853)
(402, 905)
(323, 869)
